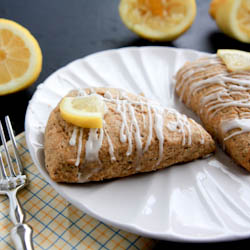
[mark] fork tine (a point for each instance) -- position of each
(9, 163)
(13, 141)
(2, 168)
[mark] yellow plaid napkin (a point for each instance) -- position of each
(56, 223)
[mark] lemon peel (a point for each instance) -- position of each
(158, 20)
(20, 57)
(83, 111)
(232, 18)
(235, 60)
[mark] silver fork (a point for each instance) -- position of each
(11, 181)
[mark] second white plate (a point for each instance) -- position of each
(204, 200)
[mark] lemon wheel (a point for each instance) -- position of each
(83, 111)
(20, 57)
(232, 17)
(235, 60)
(158, 20)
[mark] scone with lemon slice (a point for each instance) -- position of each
(232, 17)
(158, 20)
(217, 88)
(103, 133)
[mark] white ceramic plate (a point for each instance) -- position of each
(205, 200)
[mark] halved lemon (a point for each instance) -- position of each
(83, 111)
(235, 60)
(232, 17)
(20, 57)
(158, 20)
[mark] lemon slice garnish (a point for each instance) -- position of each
(159, 20)
(235, 60)
(20, 57)
(232, 17)
(83, 111)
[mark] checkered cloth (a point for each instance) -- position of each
(56, 223)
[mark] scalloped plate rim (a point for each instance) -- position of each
(129, 227)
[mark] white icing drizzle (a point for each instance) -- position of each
(79, 149)
(179, 125)
(144, 121)
(130, 130)
(150, 128)
(186, 80)
(92, 91)
(92, 148)
(121, 108)
(81, 92)
(242, 124)
(72, 141)
(228, 86)
(159, 131)
(143, 116)
(138, 141)
(123, 95)
(187, 125)
(202, 139)
(107, 95)
(111, 147)
(93, 145)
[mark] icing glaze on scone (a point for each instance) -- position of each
(138, 135)
(228, 86)
(221, 99)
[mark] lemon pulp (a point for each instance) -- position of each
(83, 111)
(20, 57)
(232, 17)
(243, 17)
(162, 20)
(235, 60)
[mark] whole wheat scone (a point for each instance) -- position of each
(222, 101)
(138, 136)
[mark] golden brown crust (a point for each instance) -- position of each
(238, 146)
(60, 157)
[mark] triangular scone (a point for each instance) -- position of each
(138, 135)
(221, 98)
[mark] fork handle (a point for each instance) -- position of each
(16, 212)
(21, 235)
